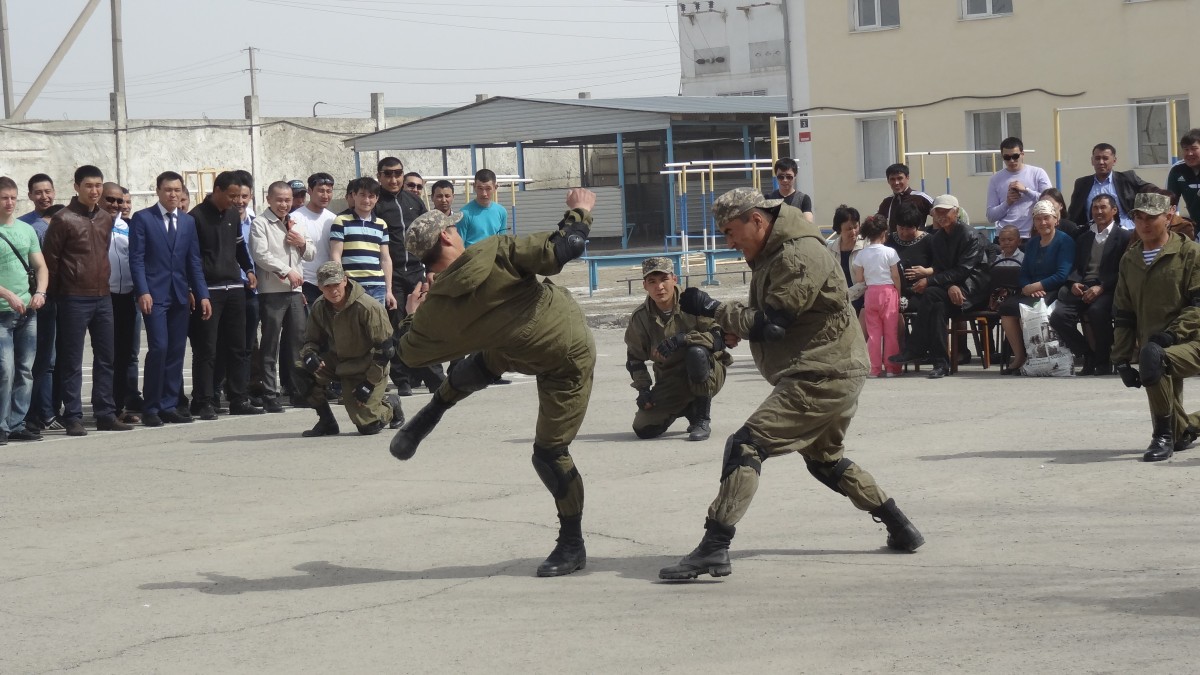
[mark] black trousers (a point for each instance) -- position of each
(125, 325)
(399, 372)
(929, 326)
(1065, 318)
(225, 329)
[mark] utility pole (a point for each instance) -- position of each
(118, 47)
(5, 56)
(31, 94)
(118, 112)
(252, 116)
(253, 72)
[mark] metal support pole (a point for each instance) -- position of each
(520, 164)
(1057, 148)
(774, 142)
(900, 135)
(621, 189)
(671, 182)
(5, 60)
(948, 175)
(1172, 132)
(118, 49)
(55, 59)
(357, 165)
(474, 164)
(747, 151)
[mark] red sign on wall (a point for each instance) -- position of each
(804, 136)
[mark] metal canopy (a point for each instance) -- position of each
(540, 122)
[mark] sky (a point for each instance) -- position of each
(188, 59)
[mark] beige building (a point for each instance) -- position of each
(966, 73)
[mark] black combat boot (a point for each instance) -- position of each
(393, 402)
(326, 423)
(1187, 439)
(711, 556)
(902, 534)
(404, 443)
(698, 419)
(1162, 443)
(569, 555)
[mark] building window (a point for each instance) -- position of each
(978, 9)
(988, 128)
(1153, 146)
(876, 14)
(877, 146)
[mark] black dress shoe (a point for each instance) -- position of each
(404, 389)
(151, 420)
(1103, 369)
(271, 405)
(24, 435)
(905, 357)
(175, 417)
(244, 408)
(207, 412)
(75, 428)
(939, 371)
(111, 423)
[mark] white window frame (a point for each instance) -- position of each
(1171, 143)
(965, 14)
(1005, 132)
(861, 159)
(856, 25)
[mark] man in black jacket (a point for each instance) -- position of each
(1123, 185)
(399, 208)
(958, 282)
(225, 257)
(1089, 291)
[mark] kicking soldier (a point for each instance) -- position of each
(487, 302)
(347, 338)
(807, 343)
(1157, 306)
(688, 353)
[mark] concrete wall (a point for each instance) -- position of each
(935, 53)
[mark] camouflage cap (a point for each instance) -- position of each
(738, 201)
(424, 231)
(1151, 203)
(652, 265)
(330, 273)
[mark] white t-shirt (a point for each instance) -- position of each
(877, 261)
(317, 226)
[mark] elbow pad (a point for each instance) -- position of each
(571, 238)
(770, 325)
(634, 366)
(384, 351)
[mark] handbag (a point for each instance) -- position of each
(28, 270)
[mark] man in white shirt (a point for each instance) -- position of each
(316, 220)
(1013, 190)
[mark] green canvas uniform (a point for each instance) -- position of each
(817, 369)
(672, 390)
(490, 301)
(347, 341)
(1161, 297)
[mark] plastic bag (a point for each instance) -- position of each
(1045, 355)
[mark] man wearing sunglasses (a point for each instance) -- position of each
(414, 184)
(399, 207)
(1013, 190)
(125, 310)
(785, 175)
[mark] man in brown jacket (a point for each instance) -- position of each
(806, 341)
(76, 252)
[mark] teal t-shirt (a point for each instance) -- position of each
(480, 222)
(12, 273)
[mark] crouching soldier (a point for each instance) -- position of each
(348, 337)
(1156, 311)
(688, 353)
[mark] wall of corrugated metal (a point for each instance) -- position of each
(539, 210)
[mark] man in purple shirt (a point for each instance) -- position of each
(1013, 190)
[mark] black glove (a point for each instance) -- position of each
(671, 345)
(1163, 339)
(312, 362)
(645, 399)
(363, 392)
(1129, 375)
(696, 301)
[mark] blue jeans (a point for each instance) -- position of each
(47, 399)
(80, 316)
(18, 346)
(377, 292)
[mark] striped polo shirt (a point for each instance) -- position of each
(362, 242)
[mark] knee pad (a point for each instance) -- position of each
(652, 431)
(698, 362)
(469, 374)
(549, 469)
(371, 428)
(736, 455)
(829, 473)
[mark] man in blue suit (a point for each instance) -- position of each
(164, 258)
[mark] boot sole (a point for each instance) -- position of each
(908, 549)
(686, 575)
(562, 571)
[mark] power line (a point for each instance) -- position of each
(635, 56)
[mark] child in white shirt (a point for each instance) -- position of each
(878, 266)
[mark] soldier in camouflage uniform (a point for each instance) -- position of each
(806, 341)
(487, 302)
(347, 338)
(688, 353)
(1157, 315)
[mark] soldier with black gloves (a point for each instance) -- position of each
(689, 358)
(348, 337)
(487, 301)
(1156, 311)
(806, 341)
